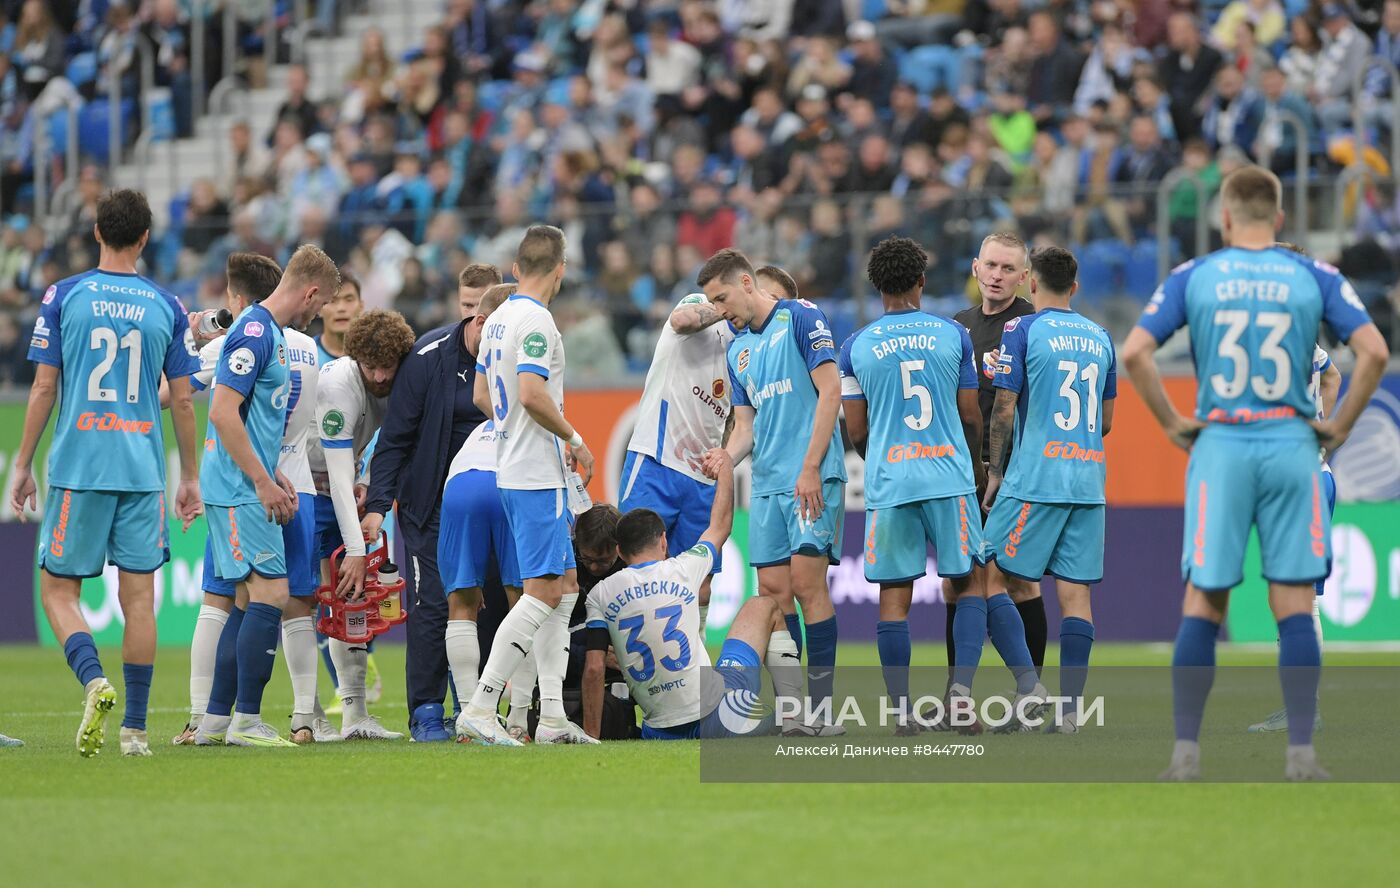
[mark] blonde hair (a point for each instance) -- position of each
(310, 266)
(494, 297)
(1252, 194)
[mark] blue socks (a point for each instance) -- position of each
(1193, 673)
(1299, 667)
(1009, 637)
(892, 639)
(1076, 640)
(821, 663)
(225, 686)
(82, 657)
(969, 632)
(794, 627)
(137, 678)
(257, 649)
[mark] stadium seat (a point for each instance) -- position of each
(1100, 264)
(1140, 276)
(924, 66)
(93, 122)
(873, 10)
(491, 94)
(82, 68)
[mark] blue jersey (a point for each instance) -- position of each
(254, 364)
(770, 370)
(1063, 367)
(111, 335)
(908, 367)
(1254, 317)
(323, 357)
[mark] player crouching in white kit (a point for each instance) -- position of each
(351, 396)
(649, 613)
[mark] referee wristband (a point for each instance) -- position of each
(576, 441)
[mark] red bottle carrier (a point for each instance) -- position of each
(380, 608)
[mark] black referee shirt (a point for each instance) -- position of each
(986, 333)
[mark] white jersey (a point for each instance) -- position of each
(294, 461)
(1320, 362)
(652, 614)
(478, 452)
(685, 402)
(520, 337)
(346, 415)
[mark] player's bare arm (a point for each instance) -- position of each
(739, 443)
(535, 398)
(827, 381)
(999, 438)
(722, 510)
(1137, 355)
(1330, 387)
(594, 666)
(857, 424)
(188, 504)
(42, 395)
(1371, 355)
(1106, 419)
(224, 417)
(481, 395)
(694, 314)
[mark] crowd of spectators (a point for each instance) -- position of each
(655, 132)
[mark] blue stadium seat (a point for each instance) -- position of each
(1140, 276)
(491, 95)
(923, 66)
(92, 126)
(82, 68)
(1100, 264)
(873, 10)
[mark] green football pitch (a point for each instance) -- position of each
(622, 814)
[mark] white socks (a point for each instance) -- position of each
(522, 693)
(784, 665)
(513, 641)
(351, 667)
(299, 645)
(704, 615)
(1317, 619)
(552, 660)
(463, 657)
(204, 648)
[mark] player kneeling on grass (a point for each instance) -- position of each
(650, 613)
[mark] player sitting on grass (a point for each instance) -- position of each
(650, 614)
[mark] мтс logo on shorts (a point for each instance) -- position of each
(535, 345)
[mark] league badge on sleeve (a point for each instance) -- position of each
(535, 345)
(242, 361)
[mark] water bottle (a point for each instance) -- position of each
(212, 323)
(390, 607)
(579, 500)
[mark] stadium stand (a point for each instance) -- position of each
(413, 136)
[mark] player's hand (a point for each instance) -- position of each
(201, 338)
(808, 492)
(23, 493)
(351, 578)
(370, 525)
(1329, 435)
(583, 462)
(286, 484)
(361, 497)
(1183, 432)
(993, 485)
(980, 473)
(713, 462)
(188, 504)
(278, 504)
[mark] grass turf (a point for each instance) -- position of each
(620, 814)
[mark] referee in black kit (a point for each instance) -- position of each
(430, 414)
(1000, 268)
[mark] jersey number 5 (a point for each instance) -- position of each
(105, 338)
(1089, 374)
(499, 401)
(918, 392)
(633, 625)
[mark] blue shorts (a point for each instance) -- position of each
(776, 534)
(737, 712)
(245, 542)
(1271, 480)
(326, 530)
(682, 502)
(895, 539)
(1329, 490)
(540, 525)
(473, 530)
(298, 540)
(1030, 540)
(84, 529)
